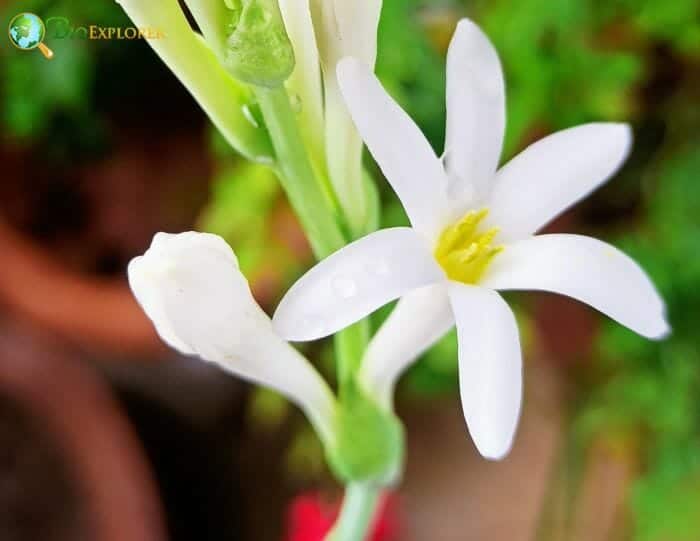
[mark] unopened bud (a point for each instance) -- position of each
(258, 50)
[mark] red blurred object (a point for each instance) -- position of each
(311, 517)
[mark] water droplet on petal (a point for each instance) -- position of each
(379, 269)
(312, 325)
(344, 286)
(296, 103)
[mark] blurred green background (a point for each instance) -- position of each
(102, 148)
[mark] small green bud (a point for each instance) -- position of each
(369, 443)
(258, 50)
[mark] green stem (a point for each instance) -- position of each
(350, 345)
(313, 208)
(356, 515)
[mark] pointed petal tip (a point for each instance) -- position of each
(623, 131)
(287, 324)
(466, 26)
(619, 137)
(661, 331)
(496, 444)
(496, 453)
(470, 36)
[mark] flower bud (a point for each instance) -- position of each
(258, 50)
(190, 286)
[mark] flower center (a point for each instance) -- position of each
(463, 251)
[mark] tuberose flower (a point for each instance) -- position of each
(190, 286)
(472, 235)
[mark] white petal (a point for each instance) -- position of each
(476, 113)
(344, 158)
(144, 287)
(588, 270)
(200, 303)
(399, 147)
(355, 281)
(555, 173)
(419, 320)
(490, 367)
(346, 29)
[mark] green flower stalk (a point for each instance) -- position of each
(369, 440)
(308, 138)
(250, 39)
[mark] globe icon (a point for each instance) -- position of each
(27, 32)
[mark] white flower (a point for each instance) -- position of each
(472, 236)
(190, 286)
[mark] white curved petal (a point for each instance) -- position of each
(346, 29)
(419, 320)
(553, 174)
(399, 147)
(190, 286)
(355, 281)
(588, 270)
(490, 367)
(476, 113)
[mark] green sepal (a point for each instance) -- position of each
(258, 50)
(369, 443)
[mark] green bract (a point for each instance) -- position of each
(369, 440)
(258, 50)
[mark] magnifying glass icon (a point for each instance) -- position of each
(27, 32)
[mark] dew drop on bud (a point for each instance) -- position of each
(379, 269)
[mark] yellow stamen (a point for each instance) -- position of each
(464, 252)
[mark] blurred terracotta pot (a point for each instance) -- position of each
(117, 497)
(98, 314)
